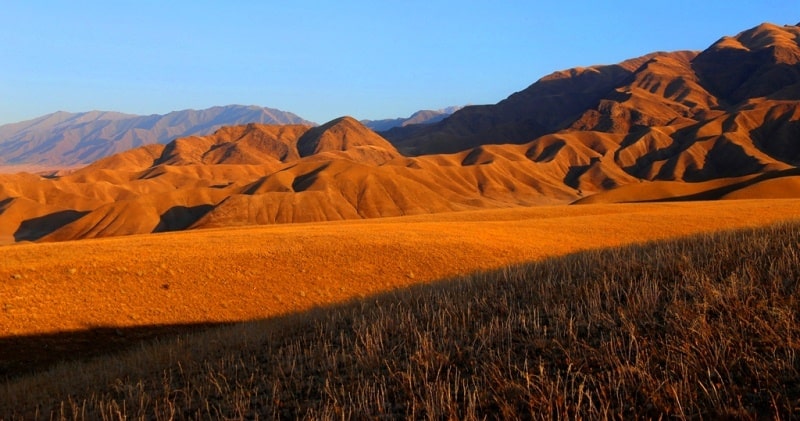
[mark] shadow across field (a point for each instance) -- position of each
(22, 355)
(699, 327)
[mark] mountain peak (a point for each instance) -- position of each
(418, 117)
(661, 88)
(339, 135)
(757, 62)
(768, 35)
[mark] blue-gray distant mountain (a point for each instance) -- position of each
(419, 117)
(70, 139)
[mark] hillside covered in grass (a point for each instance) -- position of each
(704, 327)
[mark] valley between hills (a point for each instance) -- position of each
(256, 220)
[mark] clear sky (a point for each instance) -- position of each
(324, 59)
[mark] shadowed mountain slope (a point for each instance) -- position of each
(545, 107)
(660, 89)
(759, 62)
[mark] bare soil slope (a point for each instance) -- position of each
(259, 174)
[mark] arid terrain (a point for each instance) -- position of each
(238, 274)
(632, 332)
(265, 222)
(716, 124)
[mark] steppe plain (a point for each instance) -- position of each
(237, 274)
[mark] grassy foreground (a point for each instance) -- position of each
(704, 327)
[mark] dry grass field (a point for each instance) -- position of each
(77, 299)
(237, 274)
(698, 328)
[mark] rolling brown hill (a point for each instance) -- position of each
(659, 127)
(260, 174)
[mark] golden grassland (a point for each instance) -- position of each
(238, 274)
(700, 327)
(76, 300)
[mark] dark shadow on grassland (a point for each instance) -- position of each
(25, 355)
(21, 355)
(479, 341)
(36, 228)
(28, 354)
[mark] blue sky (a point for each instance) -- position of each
(324, 59)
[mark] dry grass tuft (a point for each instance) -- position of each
(704, 327)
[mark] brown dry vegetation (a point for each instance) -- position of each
(235, 274)
(704, 327)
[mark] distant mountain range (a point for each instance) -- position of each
(419, 117)
(63, 139)
(723, 123)
(70, 139)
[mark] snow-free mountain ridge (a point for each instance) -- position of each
(722, 123)
(72, 139)
(419, 117)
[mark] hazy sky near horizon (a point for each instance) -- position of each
(321, 60)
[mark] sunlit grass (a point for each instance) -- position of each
(703, 327)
